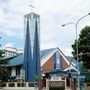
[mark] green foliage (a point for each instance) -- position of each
(3, 69)
(74, 48)
(2, 53)
(3, 62)
(88, 77)
(83, 45)
(4, 74)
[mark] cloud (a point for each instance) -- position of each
(67, 51)
(9, 45)
(11, 21)
(52, 15)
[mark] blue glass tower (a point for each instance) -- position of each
(32, 47)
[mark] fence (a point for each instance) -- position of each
(20, 86)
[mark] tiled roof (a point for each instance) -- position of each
(46, 52)
(71, 59)
(19, 59)
(16, 61)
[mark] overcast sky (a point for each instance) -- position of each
(53, 13)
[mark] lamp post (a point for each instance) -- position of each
(76, 25)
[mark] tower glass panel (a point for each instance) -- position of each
(32, 46)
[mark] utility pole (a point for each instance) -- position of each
(76, 28)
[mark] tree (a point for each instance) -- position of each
(83, 47)
(3, 68)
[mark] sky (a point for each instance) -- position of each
(53, 13)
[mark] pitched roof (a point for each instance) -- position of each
(19, 59)
(46, 52)
(45, 55)
(16, 61)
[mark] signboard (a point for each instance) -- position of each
(56, 83)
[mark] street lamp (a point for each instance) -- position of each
(76, 25)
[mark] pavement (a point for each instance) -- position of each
(65, 89)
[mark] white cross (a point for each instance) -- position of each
(32, 6)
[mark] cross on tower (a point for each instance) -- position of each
(32, 6)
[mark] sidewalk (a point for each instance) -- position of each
(65, 89)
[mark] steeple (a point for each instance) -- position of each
(28, 63)
(32, 47)
(36, 53)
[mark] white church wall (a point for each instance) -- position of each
(13, 71)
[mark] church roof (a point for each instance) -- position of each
(45, 54)
(16, 61)
(20, 58)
